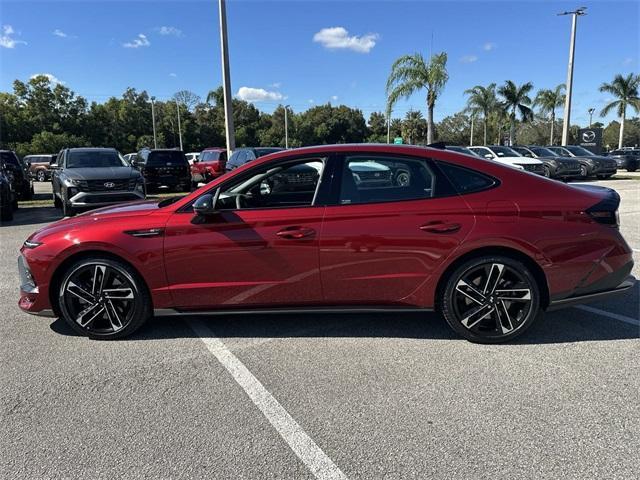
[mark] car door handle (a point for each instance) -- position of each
(296, 233)
(440, 227)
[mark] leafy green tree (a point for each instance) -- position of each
(414, 127)
(410, 74)
(548, 101)
(377, 128)
(482, 100)
(625, 89)
(516, 100)
(455, 129)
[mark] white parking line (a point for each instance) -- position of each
(636, 249)
(302, 445)
(615, 316)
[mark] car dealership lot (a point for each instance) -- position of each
(379, 395)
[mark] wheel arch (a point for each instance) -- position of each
(94, 253)
(535, 268)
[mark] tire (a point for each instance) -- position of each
(584, 173)
(67, 210)
(27, 193)
(497, 319)
(41, 176)
(632, 169)
(56, 201)
(6, 212)
(547, 171)
(402, 178)
(103, 298)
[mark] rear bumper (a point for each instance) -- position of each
(626, 284)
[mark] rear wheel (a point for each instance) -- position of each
(491, 299)
(41, 176)
(547, 171)
(103, 298)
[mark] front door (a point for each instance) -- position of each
(260, 249)
(392, 226)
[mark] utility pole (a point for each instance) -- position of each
(153, 120)
(388, 125)
(591, 110)
(286, 127)
(226, 80)
(179, 129)
(471, 137)
(572, 47)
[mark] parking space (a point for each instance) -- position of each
(293, 396)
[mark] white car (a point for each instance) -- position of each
(510, 157)
(192, 157)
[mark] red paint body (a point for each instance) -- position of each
(363, 254)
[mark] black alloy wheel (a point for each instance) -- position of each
(491, 299)
(103, 298)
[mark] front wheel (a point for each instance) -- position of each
(491, 299)
(103, 298)
(67, 210)
(584, 173)
(547, 171)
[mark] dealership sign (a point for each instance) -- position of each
(591, 139)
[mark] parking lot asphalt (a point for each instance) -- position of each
(293, 396)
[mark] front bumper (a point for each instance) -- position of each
(31, 300)
(100, 199)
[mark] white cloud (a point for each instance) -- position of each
(174, 75)
(469, 59)
(52, 78)
(140, 41)
(489, 46)
(59, 33)
(7, 40)
(627, 61)
(250, 94)
(338, 38)
(276, 85)
(164, 30)
(334, 98)
(311, 100)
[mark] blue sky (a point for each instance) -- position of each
(310, 52)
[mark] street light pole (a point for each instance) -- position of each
(591, 110)
(153, 120)
(388, 125)
(286, 127)
(572, 47)
(471, 136)
(179, 129)
(226, 80)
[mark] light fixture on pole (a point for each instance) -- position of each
(226, 80)
(286, 127)
(572, 47)
(153, 120)
(591, 110)
(179, 129)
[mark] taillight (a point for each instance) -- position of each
(606, 211)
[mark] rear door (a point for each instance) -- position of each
(394, 220)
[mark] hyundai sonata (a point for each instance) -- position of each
(488, 246)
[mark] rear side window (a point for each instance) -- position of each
(373, 179)
(157, 159)
(465, 180)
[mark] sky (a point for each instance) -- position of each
(305, 53)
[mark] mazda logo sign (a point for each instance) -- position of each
(588, 136)
(109, 184)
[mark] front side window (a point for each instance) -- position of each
(372, 179)
(543, 152)
(286, 185)
(560, 151)
(577, 150)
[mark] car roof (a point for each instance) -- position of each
(215, 149)
(92, 149)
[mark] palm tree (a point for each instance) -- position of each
(626, 91)
(548, 100)
(411, 73)
(413, 126)
(482, 100)
(516, 99)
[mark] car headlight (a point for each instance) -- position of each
(73, 182)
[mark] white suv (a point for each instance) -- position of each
(510, 157)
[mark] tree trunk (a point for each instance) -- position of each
(553, 121)
(430, 124)
(512, 128)
(485, 130)
(624, 114)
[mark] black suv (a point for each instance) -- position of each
(164, 168)
(7, 196)
(590, 163)
(555, 166)
(93, 177)
(22, 184)
(246, 155)
(627, 159)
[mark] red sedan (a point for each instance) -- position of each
(344, 227)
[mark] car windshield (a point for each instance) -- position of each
(543, 152)
(210, 155)
(160, 158)
(505, 152)
(576, 150)
(462, 150)
(560, 151)
(94, 159)
(266, 151)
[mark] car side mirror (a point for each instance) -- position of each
(54, 166)
(205, 205)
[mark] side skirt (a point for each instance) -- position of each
(171, 312)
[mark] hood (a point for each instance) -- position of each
(132, 209)
(102, 173)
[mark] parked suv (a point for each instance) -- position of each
(627, 159)
(209, 164)
(7, 195)
(39, 166)
(22, 184)
(554, 166)
(164, 168)
(93, 177)
(590, 163)
(246, 155)
(509, 156)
